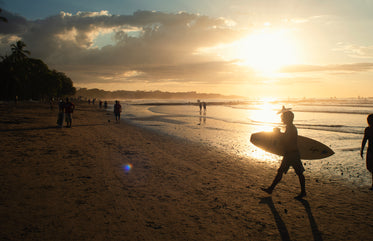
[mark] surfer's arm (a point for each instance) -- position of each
(363, 143)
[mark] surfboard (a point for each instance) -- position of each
(309, 149)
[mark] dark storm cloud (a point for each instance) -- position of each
(15, 24)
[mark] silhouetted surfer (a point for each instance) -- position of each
(368, 136)
(291, 156)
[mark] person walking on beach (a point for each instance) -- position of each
(69, 109)
(368, 136)
(117, 111)
(291, 156)
(61, 108)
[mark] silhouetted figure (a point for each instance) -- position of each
(105, 104)
(368, 136)
(117, 111)
(61, 108)
(291, 156)
(204, 106)
(69, 109)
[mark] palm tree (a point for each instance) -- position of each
(18, 51)
(3, 18)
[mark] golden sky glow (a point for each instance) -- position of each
(250, 48)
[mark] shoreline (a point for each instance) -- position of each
(72, 184)
(344, 167)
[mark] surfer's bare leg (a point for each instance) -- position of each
(274, 183)
(302, 181)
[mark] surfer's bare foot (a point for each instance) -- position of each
(267, 190)
(301, 195)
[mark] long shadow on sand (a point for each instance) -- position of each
(279, 222)
(315, 230)
(46, 128)
(281, 225)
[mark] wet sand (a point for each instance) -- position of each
(73, 184)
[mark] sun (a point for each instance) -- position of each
(266, 50)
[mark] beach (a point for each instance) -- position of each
(101, 180)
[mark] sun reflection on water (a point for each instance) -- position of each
(265, 116)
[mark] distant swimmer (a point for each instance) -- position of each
(291, 156)
(368, 136)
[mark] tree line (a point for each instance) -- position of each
(27, 78)
(157, 94)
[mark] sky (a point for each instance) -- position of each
(251, 48)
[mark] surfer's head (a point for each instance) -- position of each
(370, 120)
(287, 117)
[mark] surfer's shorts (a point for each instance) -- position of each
(291, 159)
(370, 161)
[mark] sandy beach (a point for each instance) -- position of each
(101, 180)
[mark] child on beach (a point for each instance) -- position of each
(291, 156)
(368, 136)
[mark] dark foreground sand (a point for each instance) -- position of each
(70, 184)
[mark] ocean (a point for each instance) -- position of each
(228, 124)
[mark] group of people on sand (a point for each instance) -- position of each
(100, 103)
(65, 109)
(292, 155)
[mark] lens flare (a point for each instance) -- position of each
(127, 168)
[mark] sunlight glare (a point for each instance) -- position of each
(266, 115)
(266, 50)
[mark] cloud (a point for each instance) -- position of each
(357, 67)
(16, 24)
(355, 51)
(156, 46)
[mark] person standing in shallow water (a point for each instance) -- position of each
(117, 111)
(368, 136)
(291, 156)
